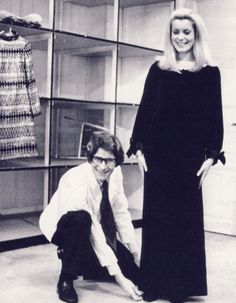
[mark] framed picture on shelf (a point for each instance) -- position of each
(86, 131)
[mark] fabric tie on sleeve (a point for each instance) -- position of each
(220, 157)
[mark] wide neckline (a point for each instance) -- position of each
(186, 65)
(184, 71)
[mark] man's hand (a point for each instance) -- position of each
(204, 169)
(129, 287)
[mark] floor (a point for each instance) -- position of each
(29, 275)
(22, 226)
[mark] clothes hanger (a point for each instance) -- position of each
(10, 32)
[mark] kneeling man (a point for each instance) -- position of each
(84, 217)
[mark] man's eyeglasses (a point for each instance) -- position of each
(110, 162)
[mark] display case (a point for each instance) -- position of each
(90, 60)
(143, 22)
(84, 69)
(70, 122)
(22, 199)
(133, 66)
(87, 17)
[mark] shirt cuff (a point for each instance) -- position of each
(133, 248)
(113, 269)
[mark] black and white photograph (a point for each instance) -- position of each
(117, 151)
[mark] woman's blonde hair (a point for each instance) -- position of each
(201, 50)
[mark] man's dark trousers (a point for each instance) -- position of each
(78, 257)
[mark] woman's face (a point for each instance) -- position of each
(183, 37)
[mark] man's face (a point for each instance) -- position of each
(103, 164)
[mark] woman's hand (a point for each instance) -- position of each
(129, 287)
(204, 169)
(141, 161)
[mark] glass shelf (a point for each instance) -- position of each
(88, 18)
(22, 199)
(143, 22)
(72, 123)
(133, 66)
(84, 68)
(28, 192)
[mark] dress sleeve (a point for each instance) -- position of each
(31, 82)
(215, 130)
(144, 114)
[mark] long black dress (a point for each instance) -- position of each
(179, 124)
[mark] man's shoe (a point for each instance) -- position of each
(66, 291)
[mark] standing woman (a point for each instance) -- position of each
(177, 137)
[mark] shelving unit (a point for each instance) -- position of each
(90, 62)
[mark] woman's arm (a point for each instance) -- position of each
(214, 123)
(214, 126)
(144, 114)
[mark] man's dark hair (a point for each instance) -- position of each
(108, 142)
